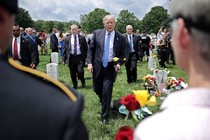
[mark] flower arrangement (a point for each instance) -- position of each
(149, 82)
(173, 84)
(136, 101)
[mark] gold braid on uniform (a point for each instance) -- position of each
(44, 76)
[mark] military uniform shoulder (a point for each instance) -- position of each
(44, 76)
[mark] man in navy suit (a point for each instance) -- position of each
(132, 42)
(105, 45)
(21, 49)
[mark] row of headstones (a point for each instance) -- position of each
(52, 68)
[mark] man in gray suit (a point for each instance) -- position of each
(105, 45)
(185, 114)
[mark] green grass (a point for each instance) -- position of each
(92, 109)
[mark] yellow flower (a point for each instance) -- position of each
(116, 59)
(124, 59)
(154, 56)
(144, 78)
(141, 96)
(152, 101)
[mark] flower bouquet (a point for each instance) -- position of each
(173, 84)
(136, 103)
(149, 83)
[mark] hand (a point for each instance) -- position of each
(32, 66)
(90, 68)
(117, 67)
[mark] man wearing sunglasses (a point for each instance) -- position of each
(185, 114)
(21, 49)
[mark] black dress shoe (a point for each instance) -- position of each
(105, 121)
(84, 85)
(75, 87)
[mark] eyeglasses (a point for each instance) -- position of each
(16, 30)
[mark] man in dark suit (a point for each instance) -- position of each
(32, 108)
(76, 50)
(54, 41)
(21, 49)
(132, 42)
(105, 45)
(32, 37)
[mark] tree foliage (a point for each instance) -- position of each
(154, 19)
(24, 19)
(127, 18)
(93, 20)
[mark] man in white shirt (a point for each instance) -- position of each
(185, 114)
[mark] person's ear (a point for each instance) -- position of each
(184, 35)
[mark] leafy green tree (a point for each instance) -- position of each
(93, 20)
(154, 19)
(49, 25)
(39, 25)
(127, 18)
(24, 19)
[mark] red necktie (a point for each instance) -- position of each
(75, 45)
(15, 50)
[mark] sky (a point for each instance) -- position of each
(67, 10)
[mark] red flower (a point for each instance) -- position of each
(181, 80)
(124, 133)
(130, 102)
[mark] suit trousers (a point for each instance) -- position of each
(103, 86)
(76, 67)
(131, 68)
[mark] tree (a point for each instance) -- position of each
(93, 20)
(154, 19)
(39, 25)
(49, 25)
(24, 19)
(127, 18)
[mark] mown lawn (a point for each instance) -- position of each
(91, 113)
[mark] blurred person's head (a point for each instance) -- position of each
(30, 31)
(22, 30)
(129, 29)
(191, 33)
(16, 30)
(109, 22)
(7, 11)
(74, 29)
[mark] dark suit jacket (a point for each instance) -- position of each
(53, 41)
(34, 44)
(34, 109)
(136, 43)
(26, 51)
(82, 43)
(96, 48)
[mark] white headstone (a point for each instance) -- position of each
(161, 76)
(52, 70)
(54, 57)
(151, 63)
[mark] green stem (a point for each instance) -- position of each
(126, 116)
(134, 116)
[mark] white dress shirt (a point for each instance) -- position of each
(111, 45)
(18, 46)
(72, 45)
